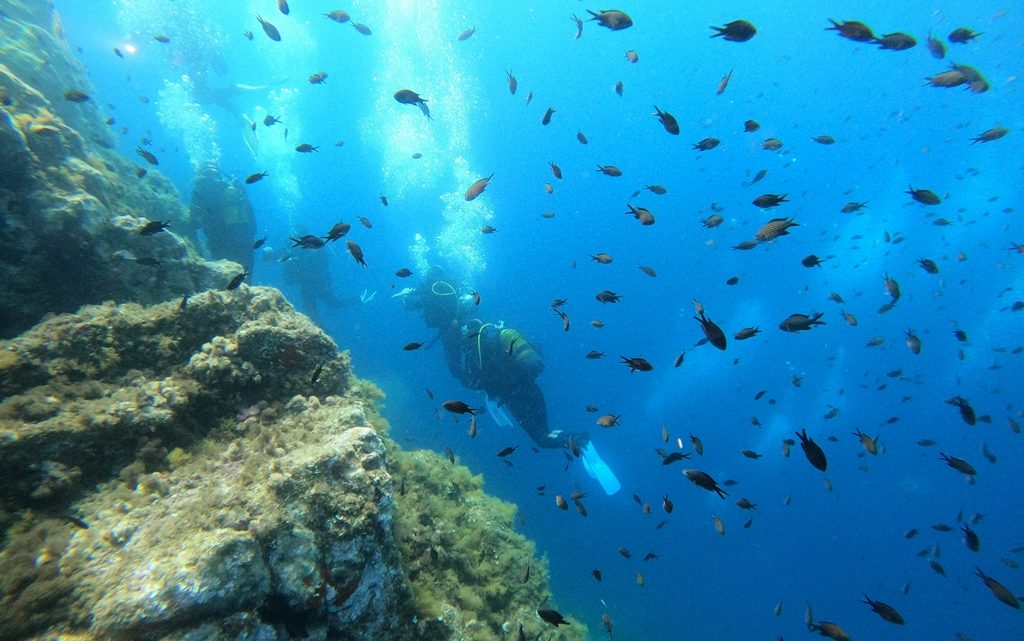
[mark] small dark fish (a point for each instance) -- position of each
(801, 322)
(811, 261)
(750, 126)
(637, 364)
(270, 30)
(579, 25)
(609, 170)
(706, 144)
(619, 88)
(254, 178)
(317, 371)
(884, 610)
(247, 34)
(338, 16)
(318, 78)
(450, 454)
(998, 590)
(992, 134)
(513, 84)
(936, 47)
(613, 19)
(815, 455)
(384, 200)
(679, 359)
(362, 28)
(704, 480)
(184, 302)
(924, 196)
(308, 241)
(668, 121)
(758, 177)
(597, 574)
(963, 35)
(153, 227)
(581, 138)
(547, 116)
(673, 457)
(282, 6)
(896, 41)
(552, 617)
(507, 451)
(967, 412)
(356, 251)
(735, 31)
(467, 34)
(338, 230)
(403, 273)
(971, 539)
(306, 148)
(259, 242)
(413, 346)
(712, 332)
(852, 30)
(764, 201)
(147, 156)
(409, 97)
(237, 280)
(958, 464)
(77, 522)
(74, 95)
(458, 407)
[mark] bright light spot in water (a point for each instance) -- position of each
(130, 48)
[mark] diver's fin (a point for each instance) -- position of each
(497, 412)
(598, 469)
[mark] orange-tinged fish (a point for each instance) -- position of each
(478, 187)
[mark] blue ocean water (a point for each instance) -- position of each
(805, 543)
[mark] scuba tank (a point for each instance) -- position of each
(497, 346)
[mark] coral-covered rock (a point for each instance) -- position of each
(172, 473)
(81, 394)
(70, 208)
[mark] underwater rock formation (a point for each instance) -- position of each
(172, 472)
(472, 575)
(70, 207)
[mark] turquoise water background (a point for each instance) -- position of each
(825, 547)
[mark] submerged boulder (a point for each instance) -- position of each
(70, 207)
(215, 471)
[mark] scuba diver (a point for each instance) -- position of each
(220, 209)
(310, 272)
(501, 362)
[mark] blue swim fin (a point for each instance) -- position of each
(497, 411)
(598, 469)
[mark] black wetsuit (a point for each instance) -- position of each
(478, 357)
(487, 357)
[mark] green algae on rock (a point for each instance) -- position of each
(89, 392)
(463, 558)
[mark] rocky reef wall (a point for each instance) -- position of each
(215, 471)
(70, 208)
